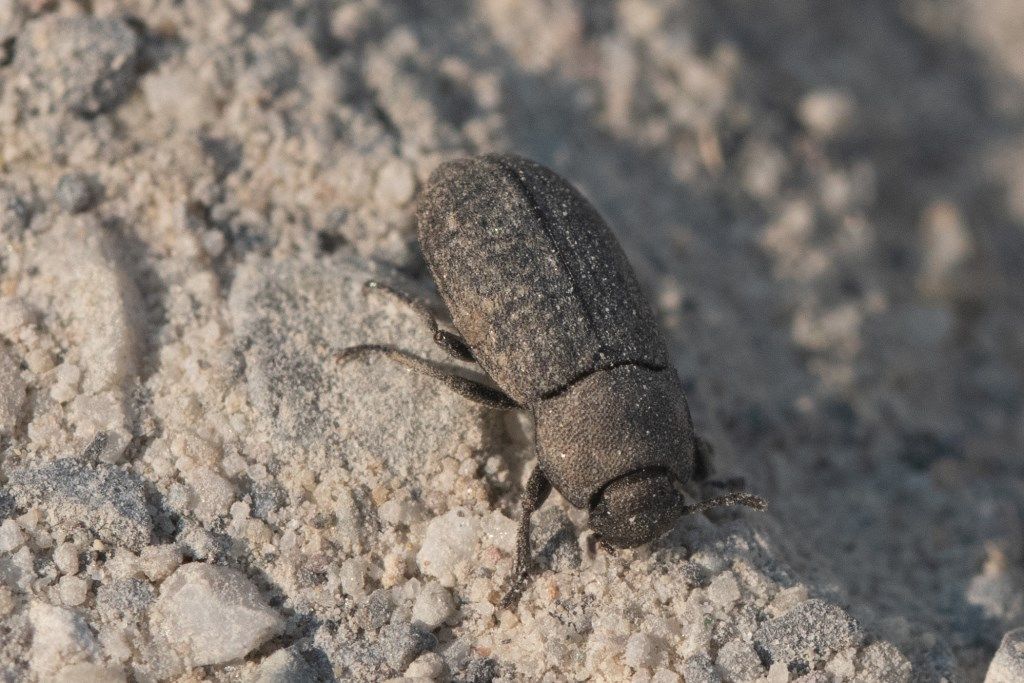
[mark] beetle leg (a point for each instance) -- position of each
(474, 391)
(454, 345)
(537, 490)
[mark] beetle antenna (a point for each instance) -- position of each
(747, 499)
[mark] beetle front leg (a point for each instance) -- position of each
(454, 345)
(537, 490)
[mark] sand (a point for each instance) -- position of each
(823, 202)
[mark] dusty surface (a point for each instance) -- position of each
(824, 201)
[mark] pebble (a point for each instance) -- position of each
(401, 510)
(428, 665)
(160, 561)
(947, 244)
(724, 591)
(284, 666)
(433, 605)
(65, 557)
(73, 590)
(665, 676)
(826, 112)
(449, 540)
(74, 192)
(11, 536)
(276, 307)
(81, 64)
(402, 643)
(641, 651)
(738, 661)
(60, 638)
(212, 614)
(807, 636)
(103, 497)
(396, 184)
(778, 673)
(1008, 664)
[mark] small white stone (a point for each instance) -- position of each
(778, 673)
(14, 315)
(396, 183)
(433, 605)
(724, 591)
(160, 561)
(353, 577)
(449, 541)
(11, 536)
(65, 557)
(826, 112)
(640, 651)
(787, 599)
(666, 676)
(401, 510)
(73, 590)
(68, 376)
(212, 614)
(39, 361)
(213, 242)
(214, 494)
(284, 666)
(500, 531)
(114, 639)
(428, 665)
(60, 638)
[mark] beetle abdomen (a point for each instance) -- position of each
(612, 423)
(533, 277)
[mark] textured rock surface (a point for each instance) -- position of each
(807, 636)
(1008, 664)
(13, 395)
(211, 614)
(104, 499)
(822, 205)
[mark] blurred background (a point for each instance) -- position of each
(824, 200)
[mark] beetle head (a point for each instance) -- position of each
(636, 508)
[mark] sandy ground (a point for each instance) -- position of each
(823, 200)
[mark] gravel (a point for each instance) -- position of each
(433, 606)
(823, 208)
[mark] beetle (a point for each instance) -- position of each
(545, 302)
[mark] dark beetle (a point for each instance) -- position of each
(548, 306)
